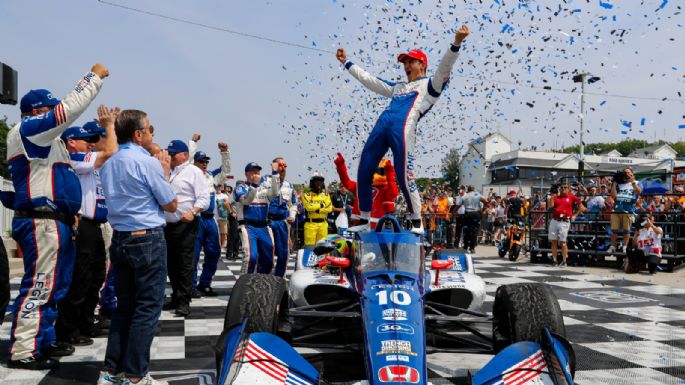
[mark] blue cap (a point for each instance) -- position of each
(177, 146)
(36, 99)
(94, 128)
(252, 165)
(76, 133)
(200, 155)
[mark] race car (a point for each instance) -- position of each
(372, 304)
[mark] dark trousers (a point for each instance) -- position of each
(180, 242)
(140, 279)
(233, 247)
(77, 310)
(4, 281)
(458, 229)
(471, 228)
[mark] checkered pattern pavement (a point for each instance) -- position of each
(624, 332)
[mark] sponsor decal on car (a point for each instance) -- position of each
(394, 315)
(396, 347)
(398, 373)
(396, 357)
(393, 286)
(396, 328)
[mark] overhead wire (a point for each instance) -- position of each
(291, 44)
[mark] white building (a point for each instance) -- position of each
(475, 163)
(490, 163)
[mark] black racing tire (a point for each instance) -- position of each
(521, 312)
(514, 252)
(258, 298)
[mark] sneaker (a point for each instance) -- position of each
(472, 251)
(611, 249)
(194, 293)
(147, 380)
(562, 264)
(207, 291)
(169, 304)
(361, 227)
(109, 379)
(33, 363)
(80, 341)
(58, 349)
(417, 226)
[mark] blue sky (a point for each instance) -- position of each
(266, 99)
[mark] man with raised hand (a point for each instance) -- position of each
(46, 199)
(396, 127)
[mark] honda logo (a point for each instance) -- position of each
(398, 373)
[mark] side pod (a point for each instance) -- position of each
(262, 358)
(548, 363)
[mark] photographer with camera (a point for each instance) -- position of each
(625, 191)
(562, 204)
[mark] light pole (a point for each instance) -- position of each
(582, 78)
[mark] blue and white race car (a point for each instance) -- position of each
(369, 310)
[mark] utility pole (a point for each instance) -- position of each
(582, 78)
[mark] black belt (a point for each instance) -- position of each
(141, 232)
(315, 220)
(86, 219)
(253, 223)
(277, 217)
(207, 216)
(66, 219)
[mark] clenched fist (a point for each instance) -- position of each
(100, 70)
(462, 32)
(339, 161)
(340, 55)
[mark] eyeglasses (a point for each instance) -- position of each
(204, 161)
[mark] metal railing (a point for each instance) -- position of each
(589, 238)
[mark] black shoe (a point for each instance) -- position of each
(33, 363)
(194, 293)
(58, 349)
(207, 291)
(80, 341)
(182, 310)
(169, 304)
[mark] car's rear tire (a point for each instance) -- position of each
(522, 311)
(514, 252)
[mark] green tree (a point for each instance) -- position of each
(450, 168)
(4, 129)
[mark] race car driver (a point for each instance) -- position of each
(282, 211)
(396, 127)
(46, 198)
(318, 205)
(252, 199)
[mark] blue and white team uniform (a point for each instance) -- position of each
(47, 196)
(395, 129)
(207, 231)
(258, 241)
(282, 207)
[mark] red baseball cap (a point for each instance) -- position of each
(414, 54)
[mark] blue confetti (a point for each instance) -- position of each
(576, 10)
(626, 123)
(603, 102)
(605, 5)
(642, 121)
(624, 132)
(663, 4)
(682, 126)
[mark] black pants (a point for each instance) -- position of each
(180, 241)
(471, 228)
(77, 310)
(233, 248)
(458, 229)
(4, 281)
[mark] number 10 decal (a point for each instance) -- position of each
(398, 297)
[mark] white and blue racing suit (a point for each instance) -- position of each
(258, 241)
(281, 208)
(45, 184)
(396, 128)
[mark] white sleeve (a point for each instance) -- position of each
(369, 81)
(87, 165)
(442, 73)
(201, 189)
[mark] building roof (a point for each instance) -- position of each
(613, 152)
(647, 151)
(488, 136)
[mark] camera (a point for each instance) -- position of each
(554, 189)
(620, 177)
